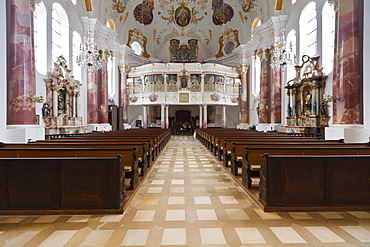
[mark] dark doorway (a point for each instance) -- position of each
(182, 121)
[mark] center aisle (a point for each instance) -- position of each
(189, 200)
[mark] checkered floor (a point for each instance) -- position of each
(188, 200)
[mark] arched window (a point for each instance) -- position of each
(60, 33)
(76, 42)
(40, 38)
(308, 30)
(328, 34)
(111, 25)
(111, 76)
(136, 47)
(256, 23)
(291, 46)
(256, 85)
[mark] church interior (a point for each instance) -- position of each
(184, 123)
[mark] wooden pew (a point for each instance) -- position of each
(129, 156)
(225, 152)
(315, 182)
(143, 161)
(158, 138)
(251, 158)
(62, 185)
(237, 149)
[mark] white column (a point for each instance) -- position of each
(73, 97)
(55, 103)
(167, 116)
(76, 105)
(205, 117)
(163, 123)
(200, 117)
(145, 117)
(224, 116)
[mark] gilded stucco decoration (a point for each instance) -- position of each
(230, 35)
(137, 35)
(182, 15)
(143, 12)
(249, 8)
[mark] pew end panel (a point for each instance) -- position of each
(62, 185)
(312, 183)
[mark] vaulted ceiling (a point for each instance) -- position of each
(218, 25)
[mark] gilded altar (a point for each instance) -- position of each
(307, 105)
(60, 111)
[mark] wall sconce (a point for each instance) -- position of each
(101, 108)
(38, 99)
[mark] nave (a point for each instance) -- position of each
(189, 200)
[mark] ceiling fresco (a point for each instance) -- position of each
(214, 23)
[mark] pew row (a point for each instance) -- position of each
(129, 157)
(252, 156)
(315, 182)
(62, 185)
(143, 160)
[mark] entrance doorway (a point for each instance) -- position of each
(182, 121)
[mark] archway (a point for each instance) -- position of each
(182, 121)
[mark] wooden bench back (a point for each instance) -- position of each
(84, 184)
(253, 155)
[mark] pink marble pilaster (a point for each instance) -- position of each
(347, 81)
(276, 96)
(103, 93)
(264, 92)
(21, 67)
(244, 115)
(92, 96)
(123, 96)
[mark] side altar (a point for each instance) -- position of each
(307, 105)
(60, 111)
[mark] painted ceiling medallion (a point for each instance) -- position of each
(222, 12)
(182, 15)
(144, 12)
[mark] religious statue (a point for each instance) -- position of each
(45, 110)
(308, 103)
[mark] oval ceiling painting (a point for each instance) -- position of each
(143, 12)
(182, 15)
(222, 12)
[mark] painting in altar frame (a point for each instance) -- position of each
(184, 97)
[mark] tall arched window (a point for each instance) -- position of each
(256, 85)
(60, 33)
(40, 38)
(76, 42)
(328, 34)
(291, 43)
(111, 76)
(308, 30)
